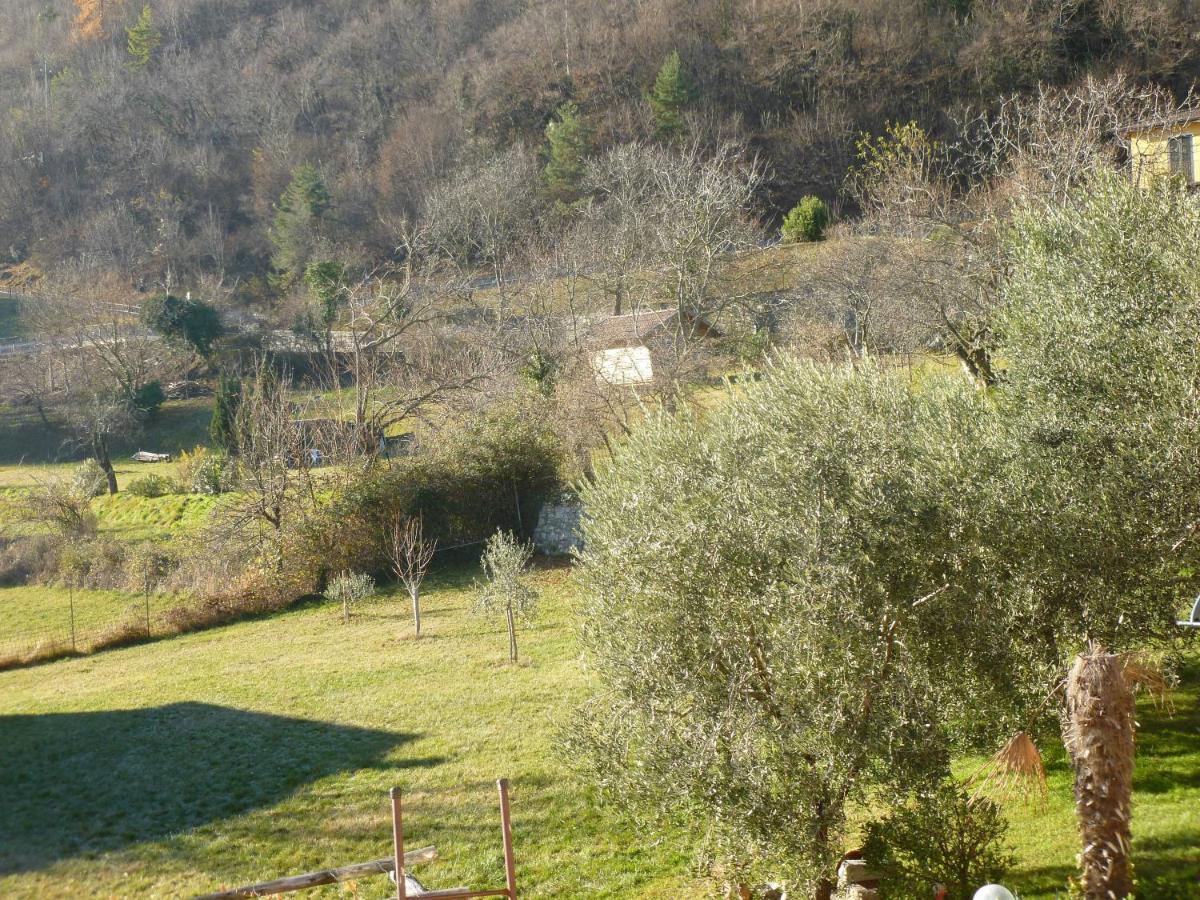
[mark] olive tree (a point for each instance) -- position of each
(1097, 523)
(504, 588)
(773, 601)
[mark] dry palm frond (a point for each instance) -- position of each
(1012, 770)
(1145, 673)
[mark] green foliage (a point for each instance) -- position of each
(806, 221)
(152, 485)
(191, 323)
(350, 589)
(205, 471)
(298, 216)
(325, 280)
(942, 836)
(672, 93)
(567, 136)
(88, 480)
(148, 399)
(222, 427)
(768, 599)
(1100, 315)
(505, 590)
(540, 371)
(143, 39)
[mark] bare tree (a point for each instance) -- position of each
(410, 554)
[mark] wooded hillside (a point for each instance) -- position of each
(159, 140)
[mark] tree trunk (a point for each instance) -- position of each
(1100, 740)
(823, 890)
(100, 452)
(416, 604)
(512, 637)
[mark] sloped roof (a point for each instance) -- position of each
(636, 328)
(1163, 123)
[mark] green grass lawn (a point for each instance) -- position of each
(267, 747)
(35, 615)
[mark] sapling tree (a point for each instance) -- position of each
(505, 589)
(410, 553)
(350, 589)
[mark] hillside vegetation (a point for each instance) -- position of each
(162, 148)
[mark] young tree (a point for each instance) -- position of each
(298, 216)
(190, 323)
(672, 92)
(143, 39)
(222, 428)
(350, 589)
(567, 136)
(410, 554)
(505, 589)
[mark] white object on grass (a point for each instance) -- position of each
(993, 892)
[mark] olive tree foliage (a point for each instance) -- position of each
(942, 206)
(1100, 317)
(775, 605)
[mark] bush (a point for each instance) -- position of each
(96, 564)
(205, 471)
(807, 221)
(88, 480)
(152, 485)
(941, 837)
(148, 399)
(32, 559)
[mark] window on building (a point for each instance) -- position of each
(1179, 150)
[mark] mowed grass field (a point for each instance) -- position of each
(266, 748)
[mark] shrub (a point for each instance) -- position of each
(146, 566)
(350, 588)
(942, 837)
(88, 480)
(205, 471)
(97, 564)
(807, 220)
(29, 559)
(152, 485)
(148, 399)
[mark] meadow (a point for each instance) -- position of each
(267, 747)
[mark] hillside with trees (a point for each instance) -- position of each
(218, 144)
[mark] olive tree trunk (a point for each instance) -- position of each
(1099, 738)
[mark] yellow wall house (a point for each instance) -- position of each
(1165, 147)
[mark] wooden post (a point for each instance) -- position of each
(398, 845)
(71, 600)
(510, 866)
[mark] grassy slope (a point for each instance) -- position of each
(266, 748)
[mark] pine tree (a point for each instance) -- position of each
(568, 139)
(224, 417)
(672, 92)
(298, 215)
(143, 39)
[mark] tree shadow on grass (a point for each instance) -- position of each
(82, 783)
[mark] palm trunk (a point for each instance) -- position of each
(1100, 736)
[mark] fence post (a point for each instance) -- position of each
(398, 845)
(71, 600)
(510, 866)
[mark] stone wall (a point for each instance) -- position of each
(557, 532)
